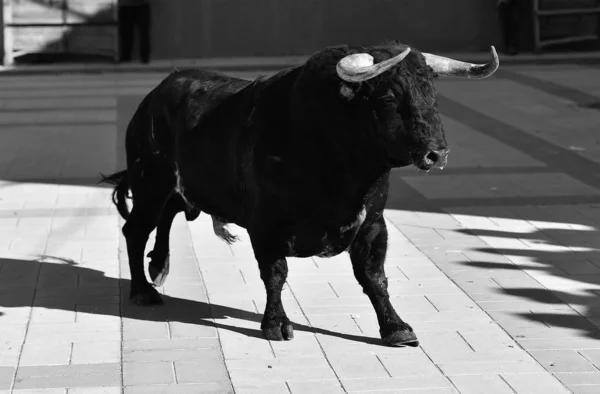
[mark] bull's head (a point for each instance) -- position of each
(393, 88)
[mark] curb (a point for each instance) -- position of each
(274, 64)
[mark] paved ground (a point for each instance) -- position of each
(495, 261)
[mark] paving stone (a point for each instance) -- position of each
(204, 388)
(206, 370)
(92, 375)
(440, 345)
(9, 354)
(592, 355)
(180, 330)
(98, 314)
(439, 390)
(82, 336)
(239, 346)
(305, 344)
(316, 386)
(367, 366)
(16, 315)
(144, 373)
(262, 387)
(579, 378)
(170, 344)
(422, 272)
(96, 352)
(214, 355)
(338, 323)
(6, 377)
(493, 339)
(195, 292)
(407, 383)
(273, 370)
(68, 370)
(491, 367)
(456, 325)
(578, 267)
(138, 330)
(310, 290)
(95, 390)
(588, 389)
(335, 343)
(481, 384)
(43, 315)
(46, 354)
(534, 383)
(410, 364)
(451, 302)
(575, 343)
(562, 361)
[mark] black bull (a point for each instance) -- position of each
(301, 160)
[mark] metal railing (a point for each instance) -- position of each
(541, 15)
(17, 21)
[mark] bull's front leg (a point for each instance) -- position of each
(368, 253)
(273, 271)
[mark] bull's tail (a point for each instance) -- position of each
(120, 194)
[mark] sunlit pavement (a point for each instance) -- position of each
(494, 261)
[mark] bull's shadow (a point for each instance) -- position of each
(64, 285)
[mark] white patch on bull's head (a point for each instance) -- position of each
(360, 218)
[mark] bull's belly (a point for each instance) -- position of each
(325, 246)
(321, 243)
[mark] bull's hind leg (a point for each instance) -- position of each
(368, 256)
(159, 256)
(152, 183)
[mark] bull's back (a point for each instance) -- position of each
(193, 92)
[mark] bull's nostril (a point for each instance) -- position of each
(432, 157)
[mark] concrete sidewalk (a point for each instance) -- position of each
(495, 262)
(276, 63)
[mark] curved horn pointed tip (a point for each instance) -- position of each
(480, 71)
(494, 54)
(495, 63)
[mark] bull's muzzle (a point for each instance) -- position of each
(436, 159)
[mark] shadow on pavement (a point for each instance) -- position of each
(578, 270)
(568, 257)
(52, 285)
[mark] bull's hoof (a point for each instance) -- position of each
(401, 338)
(145, 295)
(158, 268)
(282, 332)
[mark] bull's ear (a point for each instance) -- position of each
(346, 91)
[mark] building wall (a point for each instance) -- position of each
(2, 34)
(226, 28)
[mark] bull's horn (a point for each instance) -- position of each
(359, 67)
(445, 66)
